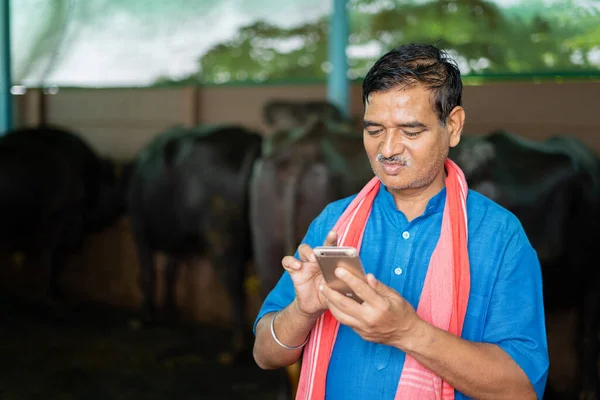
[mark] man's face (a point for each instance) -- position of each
(403, 138)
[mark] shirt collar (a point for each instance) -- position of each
(434, 205)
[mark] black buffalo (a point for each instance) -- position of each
(299, 172)
(188, 198)
(297, 175)
(54, 189)
(284, 115)
(553, 187)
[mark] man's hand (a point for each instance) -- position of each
(307, 277)
(383, 317)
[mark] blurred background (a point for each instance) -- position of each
(157, 150)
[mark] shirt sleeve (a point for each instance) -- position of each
(515, 319)
(283, 292)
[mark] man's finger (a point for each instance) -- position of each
(358, 285)
(342, 317)
(336, 302)
(306, 253)
(331, 239)
(346, 304)
(290, 263)
(377, 285)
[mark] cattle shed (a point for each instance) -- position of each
(121, 75)
(130, 118)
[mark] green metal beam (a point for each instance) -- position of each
(6, 106)
(338, 91)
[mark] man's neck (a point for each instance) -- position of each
(412, 202)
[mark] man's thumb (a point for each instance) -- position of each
(331, 239)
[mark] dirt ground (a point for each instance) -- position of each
(92, 353)
(92, 350)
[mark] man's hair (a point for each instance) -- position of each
(412, 64)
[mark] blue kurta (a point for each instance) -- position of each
(505, 304)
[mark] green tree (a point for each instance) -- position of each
(533, 38)
(263, 51)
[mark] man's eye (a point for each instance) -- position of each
(373, 132)
(413, 134)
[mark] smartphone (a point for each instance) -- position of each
(329, 258)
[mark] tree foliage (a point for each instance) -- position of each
(533, 38)
(263, 51)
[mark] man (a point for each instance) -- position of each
(453, 297)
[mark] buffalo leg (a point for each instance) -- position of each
(170, 309)
(231, 270)
(147, 276)
(56, 264)
(48, 264)
(226, 239)
(53, 259)
(235, 286)
(589, 325)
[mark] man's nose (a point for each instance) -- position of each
(392, 144)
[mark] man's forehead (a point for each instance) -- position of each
(400, 104)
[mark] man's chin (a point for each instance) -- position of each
(392, 182)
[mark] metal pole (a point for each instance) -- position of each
(337, 82)
(6, 106)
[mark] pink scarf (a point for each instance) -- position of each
(443, 301)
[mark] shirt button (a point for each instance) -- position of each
(398, 271)
(405, 235)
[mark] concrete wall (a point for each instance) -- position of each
(118, 122)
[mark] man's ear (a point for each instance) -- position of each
(455, 124)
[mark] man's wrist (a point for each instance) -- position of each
(305, 317)
(417, 338)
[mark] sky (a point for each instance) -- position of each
(121, 46)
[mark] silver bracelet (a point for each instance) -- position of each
(277, 340)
